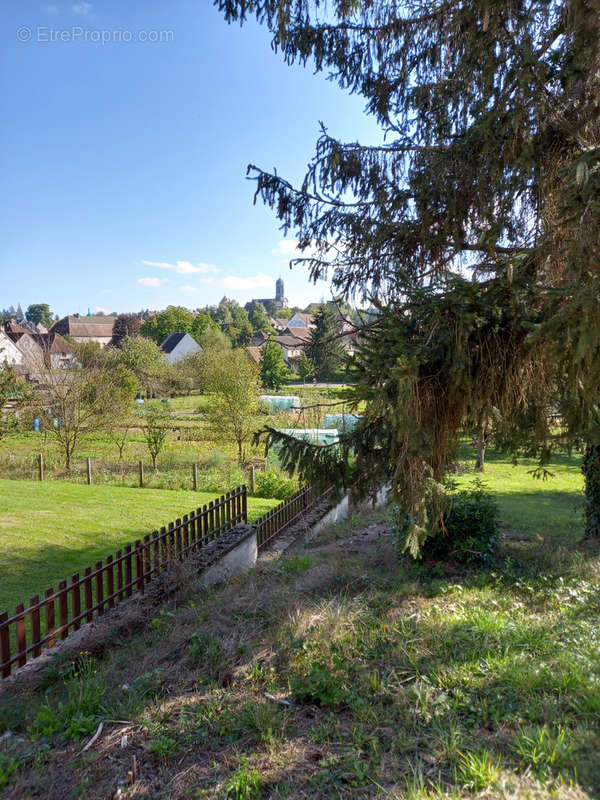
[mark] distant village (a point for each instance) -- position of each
(35, 340)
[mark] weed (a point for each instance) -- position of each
(8, 766)
(544, 751)
(244, 783)
(162, 747)
(164, 620)
(478, 769)
(321, 682)
(205, 651)
(79, 716)
(296, 564)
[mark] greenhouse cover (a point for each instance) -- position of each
(280, 402)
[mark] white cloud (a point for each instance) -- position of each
(254, 282)
(153, 282)
(183, 267)
(189, 288)
(83, 9)
(289, 248)
(100, 310)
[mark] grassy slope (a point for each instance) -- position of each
(50, 530)
(410, 683)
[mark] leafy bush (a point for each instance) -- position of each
(468, 532)
(273, 483)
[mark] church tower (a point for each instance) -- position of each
(279, 292)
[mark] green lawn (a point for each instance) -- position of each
(533, 509)
(48, 531)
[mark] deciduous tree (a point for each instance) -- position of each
(157, 422)
(274, 371)
(39, 313)
(232, 384)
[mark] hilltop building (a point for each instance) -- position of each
(271, 304)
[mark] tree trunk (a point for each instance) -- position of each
(153, 461)
(591, 471)
(481, 445)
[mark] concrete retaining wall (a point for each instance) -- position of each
(240, 558)
(337, 513)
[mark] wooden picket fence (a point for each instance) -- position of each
(28, 630)
(285, 514)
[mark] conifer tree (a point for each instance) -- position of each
(473, 227)
(325, 350)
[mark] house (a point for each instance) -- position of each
(33, 357)
(292, 347)
(299, 333)
(57, 352)
(259, 339)
(179, 345)
(10, 355)
(86, 329)
(300, 320)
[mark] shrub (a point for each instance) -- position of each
(469, 530)
(274, 483)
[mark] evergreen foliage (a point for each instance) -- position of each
(325, 350)
(473, 227)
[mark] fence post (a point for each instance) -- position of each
(41, 466)
(4, 645)
(245, 504)
(195, 477)
(252, 479)
(89, 471)
(141, 474)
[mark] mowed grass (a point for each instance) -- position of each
(48, 531)
(533, 509)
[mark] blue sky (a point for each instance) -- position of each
(124, 161)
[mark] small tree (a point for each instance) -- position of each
(77, 403)
(233, 386)
(273, 370)
(325, 349)
(306, 368)
(157, 419)
(120, 420)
